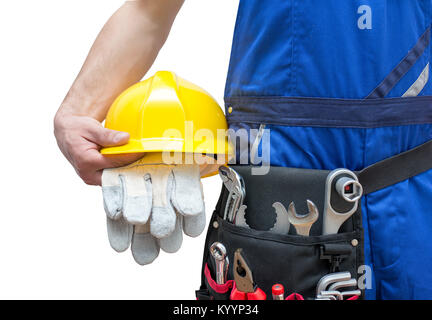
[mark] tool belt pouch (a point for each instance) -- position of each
(297, 262)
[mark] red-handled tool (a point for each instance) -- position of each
(245, 287)
(278, 292)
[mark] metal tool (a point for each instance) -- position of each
(343, 284)
(303, 223)
(327, 297)
(345, 183)
(245, 287)
(237, 192)
(336, 294)
(349, 189)
(219, 254)
(240, 219)
(330, 278)
(278, 292)
(352, 293)
(282, 224)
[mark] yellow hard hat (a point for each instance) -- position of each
(168, 113)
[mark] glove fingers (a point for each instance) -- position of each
(145, 248)
(162, 222)
(193, 226)
(187, 194)
(163, 217)
(112, 193)
(137, 197)
(173, 242)
(119, 234)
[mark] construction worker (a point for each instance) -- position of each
(338, 83)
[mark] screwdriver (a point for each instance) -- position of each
(278, 292)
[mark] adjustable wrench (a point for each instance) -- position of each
(346, 184)
(237, 192)
(219, 254)
(303, 223)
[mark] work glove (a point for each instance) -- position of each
(149, 204)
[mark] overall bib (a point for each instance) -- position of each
(344, 84)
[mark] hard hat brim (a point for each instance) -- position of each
(169, 145)
(176, 145)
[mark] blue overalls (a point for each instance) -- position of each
(344, 84)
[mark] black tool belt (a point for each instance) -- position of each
(296, 261)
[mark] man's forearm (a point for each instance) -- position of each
(121, 55)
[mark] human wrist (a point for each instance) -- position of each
(81, 109)
(81, 103)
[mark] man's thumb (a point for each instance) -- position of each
(106, 137)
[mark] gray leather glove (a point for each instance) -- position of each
(149, 204)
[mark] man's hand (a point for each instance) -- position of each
(121, 55)
(80, 138)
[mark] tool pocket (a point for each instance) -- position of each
(213, 290)
(297, 262)
(296, 258)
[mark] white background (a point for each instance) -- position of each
(53, 242)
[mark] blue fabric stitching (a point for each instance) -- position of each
(402, 67)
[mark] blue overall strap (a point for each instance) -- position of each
(402, 68)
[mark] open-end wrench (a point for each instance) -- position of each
(219, 254)
(330, 278)
(343, 284)
(346, 184)
(237, 192)
(303, 223)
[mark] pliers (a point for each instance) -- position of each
(245, 287)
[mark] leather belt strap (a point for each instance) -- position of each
(397, 168)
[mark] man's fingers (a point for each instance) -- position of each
(80, 138)
(90, 164)
(115, 161)
(105, 137)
